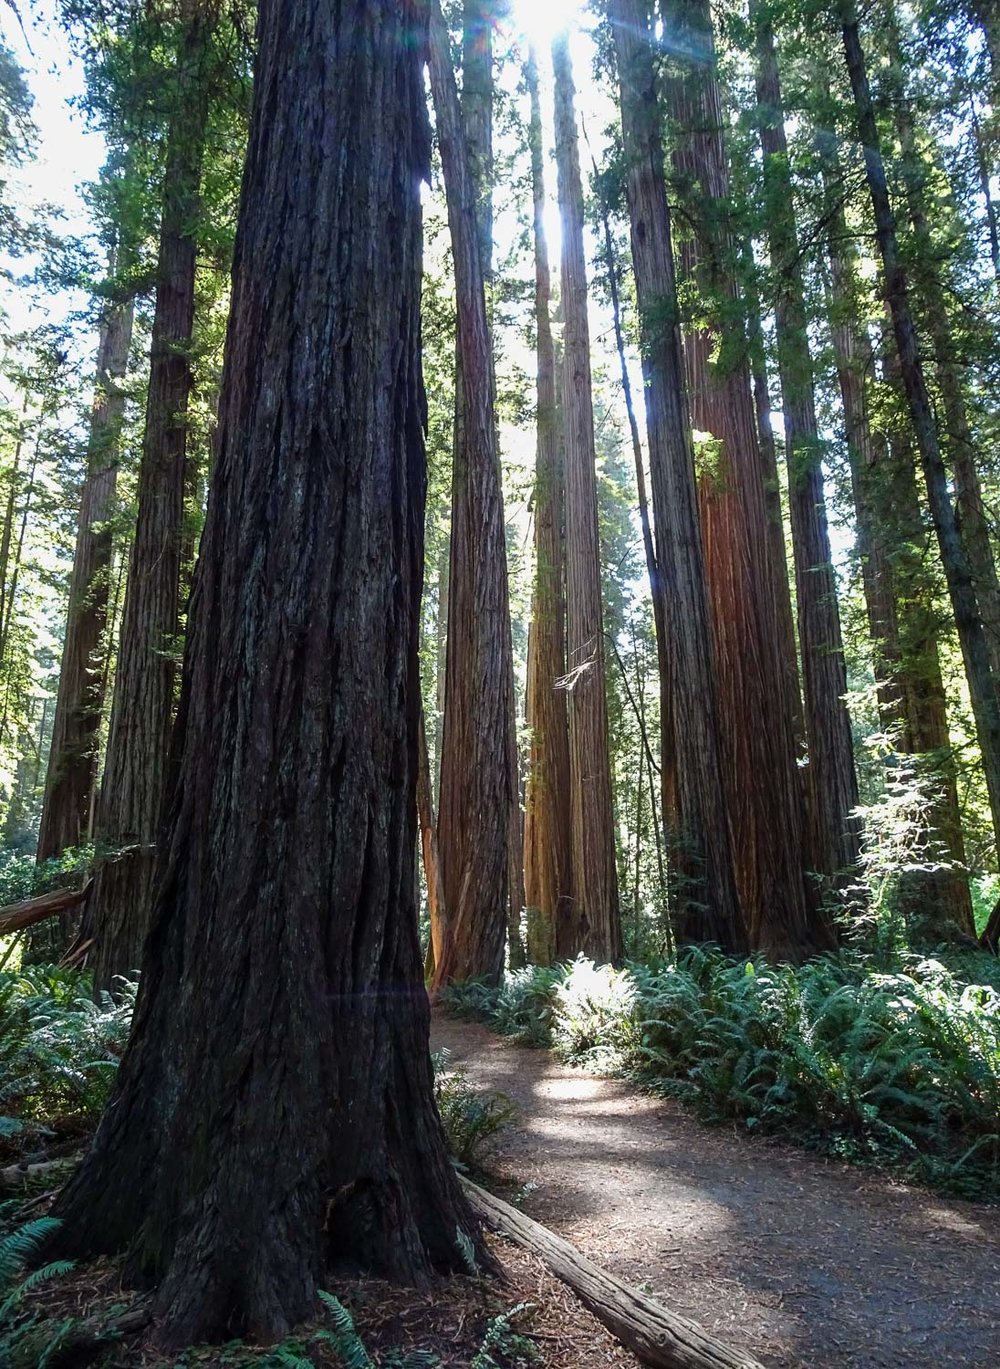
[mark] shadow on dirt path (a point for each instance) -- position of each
(804, 1262)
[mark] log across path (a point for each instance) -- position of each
(799, 1261)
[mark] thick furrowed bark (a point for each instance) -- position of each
(763, 788)
(832, 783)
(547, 873)
(478, 787)
(273, 1117)
(708, 906)
(596, 928)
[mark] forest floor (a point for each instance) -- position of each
(801, 1260)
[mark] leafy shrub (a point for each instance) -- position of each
(898, 1067)
(59, 1050)
(472, 1119)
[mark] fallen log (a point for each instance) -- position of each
(17, 1175)
(16, 916)
(657, 1337)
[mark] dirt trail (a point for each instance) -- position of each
(804, 1262)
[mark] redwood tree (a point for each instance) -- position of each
(764, 792)
(273, 1116)
(596, 929)
(477, 760)
(73, 754)
(832, 784)
(708, 905)
(547, 860)
(958, 570)
(129, 806)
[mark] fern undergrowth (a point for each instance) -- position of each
(895, 1066)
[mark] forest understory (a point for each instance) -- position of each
(499, 532)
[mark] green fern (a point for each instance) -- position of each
(346, 1341)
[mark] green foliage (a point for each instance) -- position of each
(897, 1068)
(59, 1050)
(500, 1337)
(346, 1340)
(472, 1120)
(29, 1339)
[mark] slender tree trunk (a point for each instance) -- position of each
(429, 849)
(983, 175)
(547, 850)
(899, 594)
(282, 1025)
(477, 778)
(772, 493)
(708, 905)
(595, 918)
(668, 765)
(73, 755)
(832, 783)
(763, 787)
(957, 439)
(958, 572)
(129, 805)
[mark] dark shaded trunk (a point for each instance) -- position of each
(929, 289)
(73, 755)
(547, 860)
(478, 786)
(282, 1025)
(831, 779)
(958, 571)
(707, 902)
(595, 926)
(763, 787)
(902, 618)
(129, 806)
(900, 583)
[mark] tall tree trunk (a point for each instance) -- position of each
(282, 1025)
(129, 806)
(477, 777)
(832, 783)
(596, 928)
(479, 16)
(958, 572)
(436, 910)
(547, 851)
(708, 905)
(957, 439)
(764, 791)
(73, 755)
(772, 491)
(668, 764)
(899, 594)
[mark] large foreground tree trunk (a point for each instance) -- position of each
(129, 806)
(273, 1116)
(477, 761)
(547, 861)
(596, 928)
(73, 755)
(832, 784)
(707, 902)
(764, 791)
